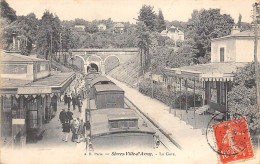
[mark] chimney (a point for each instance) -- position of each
(235, 30)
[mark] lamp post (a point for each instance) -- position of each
(255, 18)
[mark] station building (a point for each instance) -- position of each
(29, 95)
(228, 53)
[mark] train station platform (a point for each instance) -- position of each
(195, 148)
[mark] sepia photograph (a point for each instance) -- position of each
(140, 81)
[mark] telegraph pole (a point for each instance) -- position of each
(255, 16)
(51, 49)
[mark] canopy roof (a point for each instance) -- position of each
(206, 72)
(55, 83)
(108, 87)
(99, 79)
(14, 57)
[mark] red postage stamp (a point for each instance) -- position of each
(233, 140)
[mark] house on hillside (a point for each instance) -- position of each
(80, 28)
(119, 28)
(174, 33)
(29, 96)
(227, 54)
(102, 27)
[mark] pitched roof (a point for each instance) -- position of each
(213, 71)
(247, 33)
(15, 57)
(118, 25)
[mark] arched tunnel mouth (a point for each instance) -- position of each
(92, 67)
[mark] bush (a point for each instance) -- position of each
(161, 94)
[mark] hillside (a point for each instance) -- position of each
(127, 72)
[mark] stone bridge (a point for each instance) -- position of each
(103, 60)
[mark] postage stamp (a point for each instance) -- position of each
(233, 140)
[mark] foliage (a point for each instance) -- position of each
(161, 25)
(144, 44)
(242, 97)
(7, 11)
(204, 26)
(148, 17)
(48, 36)
(177, 100)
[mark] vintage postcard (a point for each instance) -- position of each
(117, 81)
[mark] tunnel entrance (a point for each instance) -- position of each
(92, 67)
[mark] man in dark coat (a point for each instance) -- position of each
(65, 99)
(74, 100)
(68, 101)
(69, 114)
(63, 116)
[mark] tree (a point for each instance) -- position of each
(144, 43)
(27, 31)
(7, 11)
(161, 25)
(204, 26)
(242, 97)
(148, 17)
(48, 35)
(239, 20)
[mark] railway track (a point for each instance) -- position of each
(167, 141)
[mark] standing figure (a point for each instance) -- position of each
(81, 131)
(66, 130)
(74, 100)
(63, 116)
(79, 104)
(73, 129)
(68, 101)
(65, 99)
(69, 114)
(63, 119)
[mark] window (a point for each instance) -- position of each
(104, 82)
(123, 124)
(222, 50)
(132, 124)
(113, 124)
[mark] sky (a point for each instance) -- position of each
(127, 10)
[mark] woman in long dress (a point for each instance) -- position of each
(81, 131)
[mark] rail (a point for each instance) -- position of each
(155, 124)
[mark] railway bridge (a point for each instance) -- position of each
(103, 60)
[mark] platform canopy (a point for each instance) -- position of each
(53, 84)
(206, 72)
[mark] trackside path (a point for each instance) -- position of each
(195, 148)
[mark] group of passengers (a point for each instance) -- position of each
(74, 125)
(75, 99)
